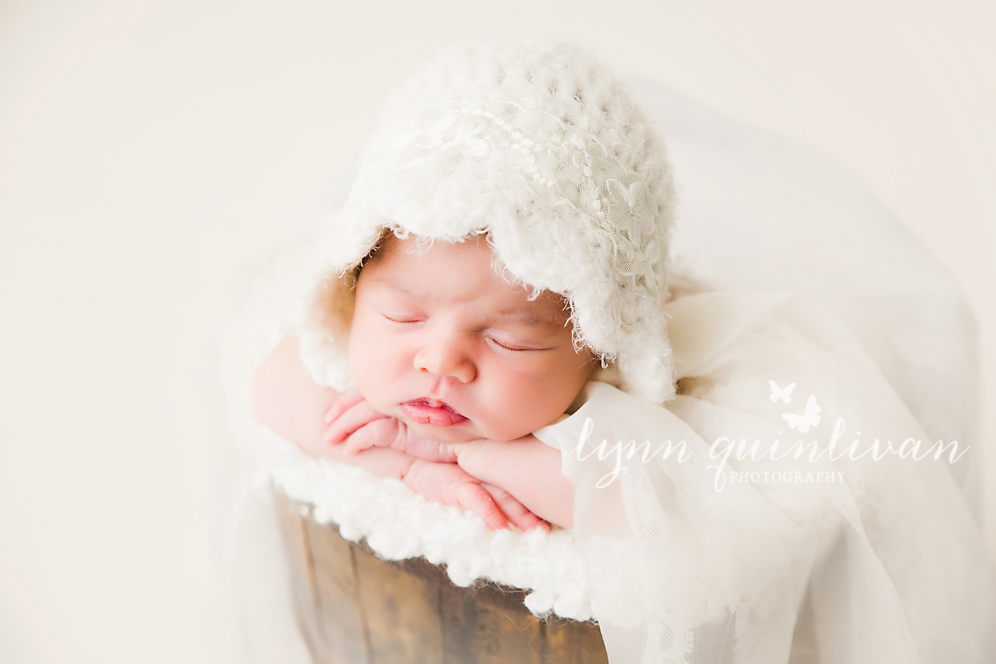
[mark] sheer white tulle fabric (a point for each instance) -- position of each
(763, 214)
(883, 563)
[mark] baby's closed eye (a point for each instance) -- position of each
(404, 317)
(515, 345)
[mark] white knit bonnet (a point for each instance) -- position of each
(536, 145)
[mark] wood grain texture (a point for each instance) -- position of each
(294, 527)
(401, 610)
(339, 613)
(484, 627)
(355, 608)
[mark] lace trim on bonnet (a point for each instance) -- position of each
(570, 183)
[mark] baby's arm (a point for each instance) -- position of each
(525, 468)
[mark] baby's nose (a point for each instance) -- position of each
(446, 360)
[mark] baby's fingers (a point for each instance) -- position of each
(379, 433)
(349, 421)
(479, 501)
(516, 512)
(346, 400)
(429, 450)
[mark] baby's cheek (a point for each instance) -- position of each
(549, 394)
(381, 371)
(363, 364)
(357, 358)
(518, 407)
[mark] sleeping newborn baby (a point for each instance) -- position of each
(455, 367)
(506, 234)
(502, 261)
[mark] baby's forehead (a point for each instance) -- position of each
(401, 265)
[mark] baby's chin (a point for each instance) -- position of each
(459, 433)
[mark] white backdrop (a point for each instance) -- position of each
(146, 149)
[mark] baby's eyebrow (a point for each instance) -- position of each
(530, 318)
(547, 317)
(399, 288)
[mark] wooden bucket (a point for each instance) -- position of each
(354, 608)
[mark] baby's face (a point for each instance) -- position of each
(441, 342)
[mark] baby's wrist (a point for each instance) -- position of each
(471, 455)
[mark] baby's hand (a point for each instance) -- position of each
(354, 424)
(447, 483)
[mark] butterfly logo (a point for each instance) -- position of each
(779, 392)
(801, 422)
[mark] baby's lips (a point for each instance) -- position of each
(434, 413)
